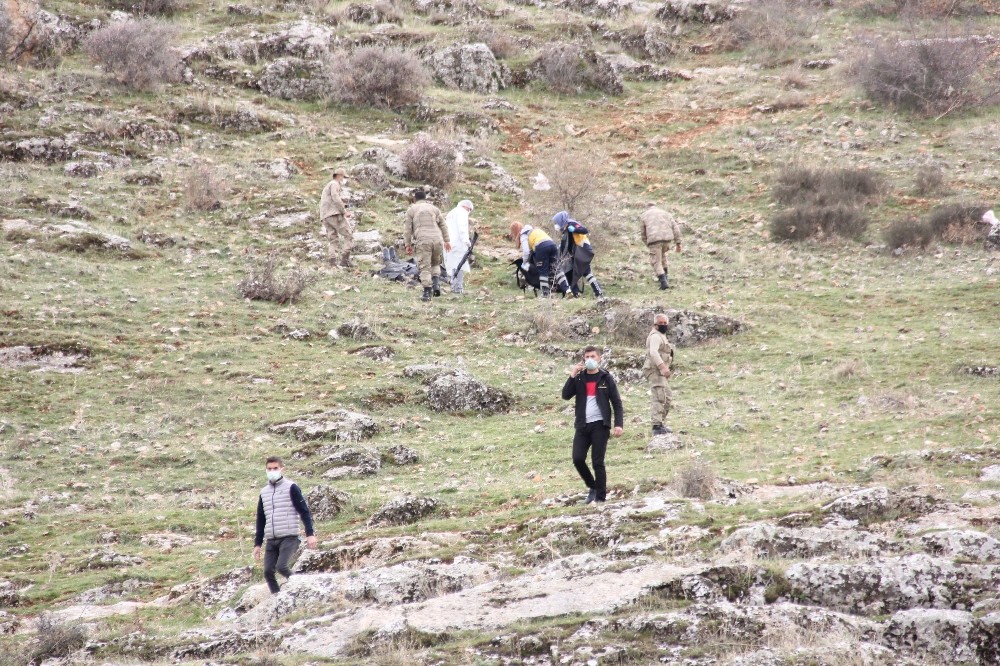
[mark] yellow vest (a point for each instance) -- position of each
(536, 236)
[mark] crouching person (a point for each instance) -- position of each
(279, 508)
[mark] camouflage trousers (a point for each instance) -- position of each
(339, 236)
(429, 256)
(660, 399)
(658, 256)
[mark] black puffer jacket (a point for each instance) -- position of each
(607, 398)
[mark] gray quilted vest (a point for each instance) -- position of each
(282, 518)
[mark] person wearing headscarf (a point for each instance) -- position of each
(458, 231)
(575, 244)
(537, 248)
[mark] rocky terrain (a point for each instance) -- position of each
(828, 495)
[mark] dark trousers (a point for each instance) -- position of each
(278, 554)
(546, 255)
(593, 436)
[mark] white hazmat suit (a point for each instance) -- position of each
(458, 230)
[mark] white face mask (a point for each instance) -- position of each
(591, 364)
(273, 475)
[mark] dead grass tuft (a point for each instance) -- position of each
(810, 221)
(824, 202)
(771, 30)
(56, 640)
(203, 189)
(958, 223)
(570, 69)
(501, 43)
(261, 282)
(908, 233)
(847, 370)
(696, 480)
(148, 7)
(928, 180)
(136, 53)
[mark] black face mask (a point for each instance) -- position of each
(662, 328)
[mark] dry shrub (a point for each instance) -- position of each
(627, 326)
(203, 190)
(827, 187)
(546, 327)
(571, 69)
(908, 233)
(137, 53)
(928, 180)
(931, 77)
(261, 282)
(915, 9)
(696, 480)
(502, 44)
(430, 160)
(148, 7)
(810, 221)
(772, 30)
(386, 78)
(846, 370)
(56, 640)
(958, 223)
(576, 181)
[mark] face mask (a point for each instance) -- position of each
(591, 364)
(273, 475)
(662, 328)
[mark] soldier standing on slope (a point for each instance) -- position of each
(659, 229)
(334, 217)
(426, 236)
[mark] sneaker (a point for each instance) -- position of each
(659, 430)
(591, 496)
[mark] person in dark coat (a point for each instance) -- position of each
(575, 246)
(598, 405)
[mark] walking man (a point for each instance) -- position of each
(279, 509)
(659, 358)
(334, 216)
(426, 237)
(596, 396)
(458, 232)
(659, 229)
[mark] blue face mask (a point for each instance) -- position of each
(273, 475)
(591, 364)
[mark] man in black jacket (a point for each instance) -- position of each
(596, 395)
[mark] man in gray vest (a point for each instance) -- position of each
(279, 508)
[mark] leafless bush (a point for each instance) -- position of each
(627, 326)
(375, 13)
(203, 189)
(56, 640)
(376, 76)
(928, 180)
(932, 76)
(501, 43)
(696, 480)
(148, 7)
(570, 69)
(827, 187)
(772, 29)
(915, 9)
(811, 221)
(846, 369)
(261, 282)
(907, 233)
(576, 181)
(429, 160)
(136, 53)
(958, 223)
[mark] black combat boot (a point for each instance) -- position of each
(663, 281)
(345, 261)
(598, 292)
(658, 429)
(436, 285)
(426, 295)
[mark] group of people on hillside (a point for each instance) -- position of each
(437, 240)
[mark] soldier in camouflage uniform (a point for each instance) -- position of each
(659, 358)
(334, 216)
(425, 234)
(659, 229)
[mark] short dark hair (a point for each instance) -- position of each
(419, 194)
(591, 348)
(274, 459)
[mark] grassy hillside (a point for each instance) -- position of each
(850, 351)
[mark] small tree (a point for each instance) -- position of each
(576, 181)
(429, 160)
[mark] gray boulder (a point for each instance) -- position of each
(699, 11)
(326, 502)
(42, 149)
(365, 553)
(765, 540)
(371, 176)
(968, 545)
(686, 327)
(356, 330)
(457, 391)
(471, 67)
(874, 505)
(295, 79)
(886, 585)
(947, 636)
(400, 454)
(338, 424)
(388, 160)
(350, 461)
(500, 179)
(375, 352)
(403, 511)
